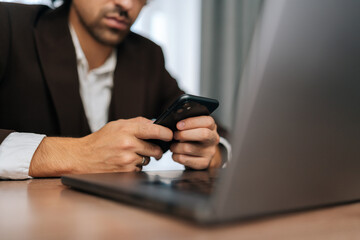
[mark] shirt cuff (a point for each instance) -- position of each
(227, 147)
(16, 152)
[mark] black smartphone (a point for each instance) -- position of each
(185, 106)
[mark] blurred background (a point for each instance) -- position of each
(205, 43)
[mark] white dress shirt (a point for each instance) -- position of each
(17, 150)
(95, 86)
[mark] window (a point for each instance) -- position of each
(176, 26)
(44, 2)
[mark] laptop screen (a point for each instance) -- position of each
(297, 133)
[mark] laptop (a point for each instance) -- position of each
(297, 131)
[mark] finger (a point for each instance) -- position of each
(140, 161)
(132, 169)
(127, 168)
(147, 161)
(152, 131)
(197, 122)
(126, 159)
(142, 120)
(204, 135)
(191, 149)
(148, 149)
(138, 146)
(191, 161)
(144, 160)
(137, 120)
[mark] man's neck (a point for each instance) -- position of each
(95, 52)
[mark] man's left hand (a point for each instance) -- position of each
(197, 145)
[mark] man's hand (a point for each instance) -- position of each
(198, 143)
(118, 146)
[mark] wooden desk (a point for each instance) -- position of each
(45, 209)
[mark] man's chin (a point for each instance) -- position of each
(112, 38)
(112, 43)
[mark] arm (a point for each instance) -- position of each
(118, 146)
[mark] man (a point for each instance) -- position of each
(67, 72)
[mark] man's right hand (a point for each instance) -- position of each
(117, 147)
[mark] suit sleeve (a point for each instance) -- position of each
(170, 90)
(3, 134)
(4, 39)
(4, 52)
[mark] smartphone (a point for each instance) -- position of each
(185, 106)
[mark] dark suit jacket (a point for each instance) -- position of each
(39, 86)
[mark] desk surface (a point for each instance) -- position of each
(45, 209)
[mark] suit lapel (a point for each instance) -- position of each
(58, 61)
(129, 88)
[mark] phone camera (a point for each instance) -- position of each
(180, 110)
(187, 106)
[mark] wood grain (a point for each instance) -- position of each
(45, 209)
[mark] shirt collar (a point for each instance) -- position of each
(107, 67)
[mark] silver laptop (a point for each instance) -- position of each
(297, 131)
